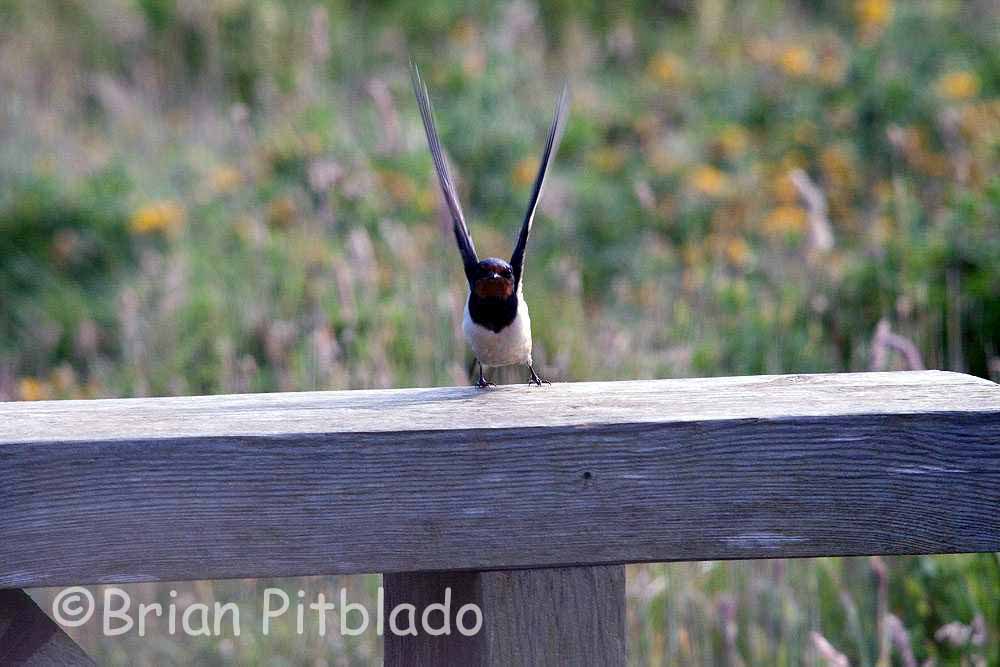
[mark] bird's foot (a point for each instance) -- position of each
(481, 383)
(535, 380)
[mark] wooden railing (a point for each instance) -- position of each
(526, 501)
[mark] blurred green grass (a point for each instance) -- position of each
(234, 196)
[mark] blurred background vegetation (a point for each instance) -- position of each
(204, 196)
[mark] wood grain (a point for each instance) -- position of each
(560, 616)
(420, 590)
(510, 406)
(29, 637)
(460, 479)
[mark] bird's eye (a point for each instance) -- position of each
(506, 273)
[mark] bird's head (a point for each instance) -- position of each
(494, 279)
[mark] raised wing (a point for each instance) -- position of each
(462, 237)
(551, 146)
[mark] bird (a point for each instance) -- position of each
(496, 323)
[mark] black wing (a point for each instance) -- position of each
(551, 146)
(462, 236)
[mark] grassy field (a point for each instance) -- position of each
(231, 196)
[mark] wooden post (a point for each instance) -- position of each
(29, 637)
(558, 616)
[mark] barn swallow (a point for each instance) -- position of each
(496, 322)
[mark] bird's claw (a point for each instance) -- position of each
(535, 380)
(483, 384)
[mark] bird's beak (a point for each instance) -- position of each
(494, 276)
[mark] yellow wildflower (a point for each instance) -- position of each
(784, 189)
(873, 14)
(958, 85)
(733, 139)
(33, 389)
(797, 61)
(785, 219)
(667, 68)
(708, 180)
(793, 160)
(524, 172)
(158, 216)
(737, 250)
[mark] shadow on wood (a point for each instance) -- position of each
(559, 616)
(29, 637)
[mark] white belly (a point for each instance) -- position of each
(511, 345)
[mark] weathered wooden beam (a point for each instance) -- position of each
(29, 637)
(561, 616)
(517, 477)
